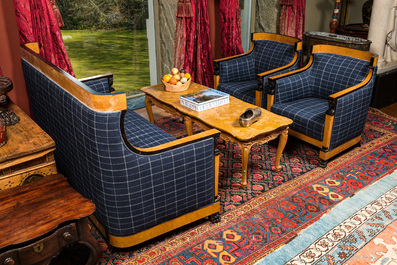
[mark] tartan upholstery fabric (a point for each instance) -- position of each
(333, 73)
(132, 192)
(303, 97)
(244, 90)
(351, 114)
(99, 85)
(238, 76)
(308, 115)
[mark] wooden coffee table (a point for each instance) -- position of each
(224, 118)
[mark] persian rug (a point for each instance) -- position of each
(361, 230)
(274, 207)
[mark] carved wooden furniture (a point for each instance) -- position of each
(224, 118)
(40, 219)
(328, 99)
(311, 38)
(143, 181)
(245, 76)
(28, 153)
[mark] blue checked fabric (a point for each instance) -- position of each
(99, 85)
(303, 97)
(238, 76)
(132, 192)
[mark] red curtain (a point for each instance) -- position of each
(37, 23)
(292, 20)
(192, 41)
(230, 28)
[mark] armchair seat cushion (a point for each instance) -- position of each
(308, 115)
(244, 90)
(142, 134)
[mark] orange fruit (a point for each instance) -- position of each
(167, 78)
(173, 81)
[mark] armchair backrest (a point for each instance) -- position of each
(337, 68)
(268, 51)
(271, 51)
(269, 54)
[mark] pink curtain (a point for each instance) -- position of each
(230, 28)
(37, 23)
(292, 20)
(192, 41)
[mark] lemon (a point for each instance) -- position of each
(166, 78)
(187, 75)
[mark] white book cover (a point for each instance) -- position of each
(204, 99)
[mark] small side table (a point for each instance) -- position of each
(28, 153)
(41, 218)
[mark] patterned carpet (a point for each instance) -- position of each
(275, 207)
(361, 230)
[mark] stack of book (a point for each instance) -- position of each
(204, 99)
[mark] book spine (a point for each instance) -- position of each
(188, 104)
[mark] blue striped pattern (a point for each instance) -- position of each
(238, 76)
(132, 192)
(303, 97)
(99, 85)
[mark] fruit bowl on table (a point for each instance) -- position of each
(176, 88)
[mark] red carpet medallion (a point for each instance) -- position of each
(267, 214)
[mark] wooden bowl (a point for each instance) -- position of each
(175, 88)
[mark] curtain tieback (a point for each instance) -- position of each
(286, 2)
(184, 9)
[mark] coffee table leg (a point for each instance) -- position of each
(245, 151)
(148, 106)
(281, 144)
(188, 125)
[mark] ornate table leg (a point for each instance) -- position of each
(148, 106)
(245, 151)
(281, 144)
(87, 239)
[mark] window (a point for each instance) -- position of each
(104, 36)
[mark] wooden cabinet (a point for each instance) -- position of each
(28, 154)
(42, 218)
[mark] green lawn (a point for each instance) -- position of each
(121, 52)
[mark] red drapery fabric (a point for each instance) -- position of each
(230, 28)
(37, 23)
(57, 14)
(192, 47)
(292, 19)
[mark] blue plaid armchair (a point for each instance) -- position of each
(328, 99)
(245, 76)
(143, 181)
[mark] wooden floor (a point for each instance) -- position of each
(157, 112)
(391, 110)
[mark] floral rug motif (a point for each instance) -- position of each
(275, 207)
